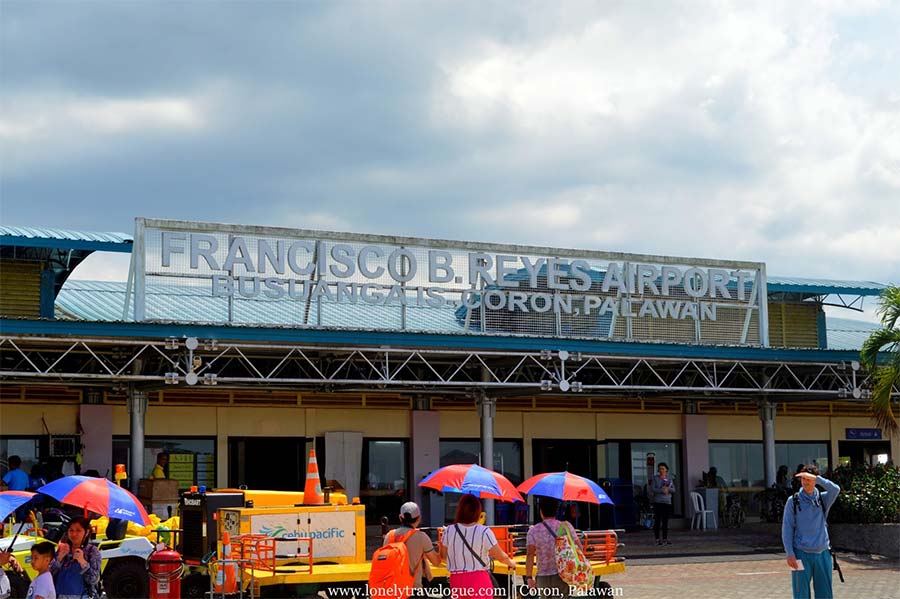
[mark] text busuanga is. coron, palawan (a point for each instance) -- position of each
(320, 270)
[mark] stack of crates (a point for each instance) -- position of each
(181, 468)
(206, 470)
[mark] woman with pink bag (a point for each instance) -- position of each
(468, 548)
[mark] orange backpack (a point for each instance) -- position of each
(390, 573)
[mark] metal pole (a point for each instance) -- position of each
(140, 272)
(487, 407)
(137, 407)
(767, 416)
(763, 289)
(129, 285)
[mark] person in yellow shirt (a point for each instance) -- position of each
(159, 470)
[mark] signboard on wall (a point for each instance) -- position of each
(862, 433)
(212, 273)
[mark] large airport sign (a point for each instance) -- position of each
(300, 277)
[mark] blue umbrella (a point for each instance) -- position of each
(566, 487)
(98, 495)
(10, 501)
(473, 480)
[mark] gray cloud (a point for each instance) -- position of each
(720, 131)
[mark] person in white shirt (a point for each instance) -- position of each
(469, 547)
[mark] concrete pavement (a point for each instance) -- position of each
(866, 578)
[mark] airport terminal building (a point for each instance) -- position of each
(238, 348)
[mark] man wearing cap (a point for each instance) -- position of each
(418, 544)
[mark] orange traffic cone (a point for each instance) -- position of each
(312, 492)
(230, 567)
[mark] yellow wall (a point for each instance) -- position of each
(371, 422)
(798, 428)
(736, 428)
(467, 425)
(793, 325)
(175, 421)
(638, 426)
(25, 419)
(558, 425)
(223, 422)
(20, 289)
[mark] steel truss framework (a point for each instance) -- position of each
(102, 361)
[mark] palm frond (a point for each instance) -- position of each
(889, 306)
(886, 379)
(879, 342)
(880, 354)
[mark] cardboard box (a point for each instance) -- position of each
(158, 489)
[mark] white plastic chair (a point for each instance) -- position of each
(700, 512)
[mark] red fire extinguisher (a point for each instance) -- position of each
(165, 568)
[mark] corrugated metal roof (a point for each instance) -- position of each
(822, 286)
(104, 301)
(848, 334)
(63, 234)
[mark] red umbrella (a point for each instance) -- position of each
(10, 501)
(473, 480)
(98, 495)
(566, 487)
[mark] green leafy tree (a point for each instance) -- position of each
(881, 356)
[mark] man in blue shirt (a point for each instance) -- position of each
(15, 479)
(805, 535)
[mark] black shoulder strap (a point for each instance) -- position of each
(469, 547)
(796, 503)
(547, 526)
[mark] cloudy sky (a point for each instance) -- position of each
(716, 129)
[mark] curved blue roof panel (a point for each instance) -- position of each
(65, 239)
(822, 286)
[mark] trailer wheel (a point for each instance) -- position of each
(127, 578)
(194, 586)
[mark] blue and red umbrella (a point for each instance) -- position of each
(97, 495)
(10, 501)
(565, 486)
(473, 480)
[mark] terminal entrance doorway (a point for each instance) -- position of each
(273, 463)
(869, 453)
(578, 456)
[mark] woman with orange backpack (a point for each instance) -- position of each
(398, 564)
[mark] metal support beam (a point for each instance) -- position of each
(767, 417)
(137, 407)
(487, 407)
(97, 361)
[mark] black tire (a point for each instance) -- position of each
(126, 579)
(194, 586)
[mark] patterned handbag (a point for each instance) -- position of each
(573, 567)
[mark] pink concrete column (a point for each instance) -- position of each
(696, 454)
(425, 456)
(97, 424)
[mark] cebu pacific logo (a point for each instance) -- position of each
(119, 511)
